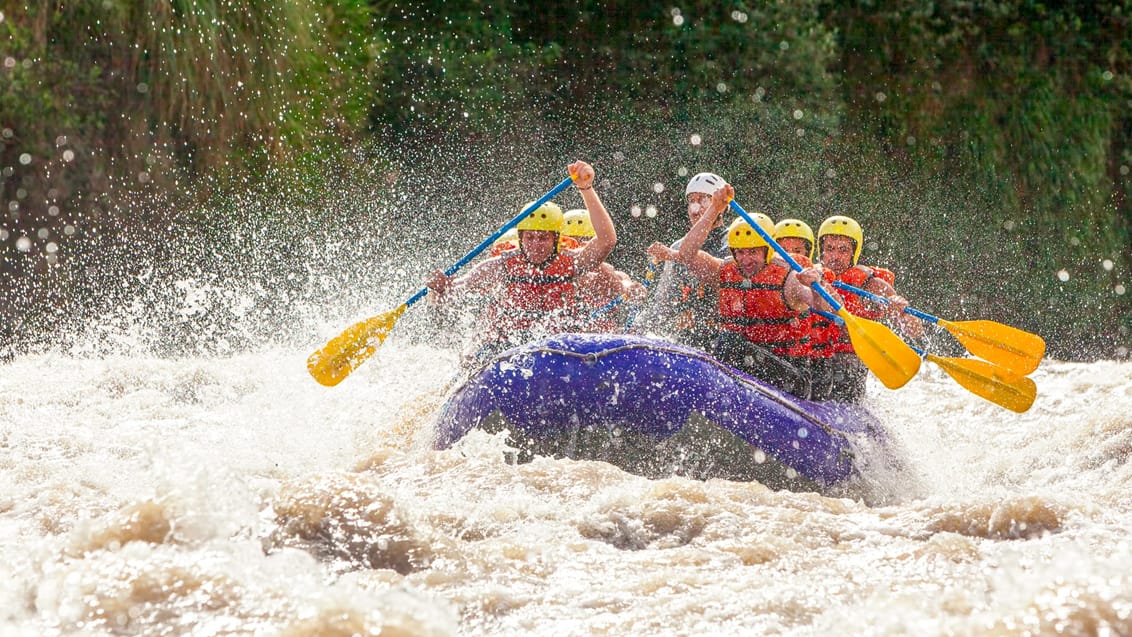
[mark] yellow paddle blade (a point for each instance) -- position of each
(342, 355)
(992, 382)
(881, 350)
(1009, 347)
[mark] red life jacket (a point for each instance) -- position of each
(535, 296)
(815, 339)
(824, 335)
(858, 276)
(757, 309)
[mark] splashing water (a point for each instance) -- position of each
(170, 468)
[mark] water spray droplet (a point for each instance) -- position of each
(658, 187)
(1107, 264)
(635, 211)
(650, 211)
(695, 139)
(1119, 289)
(23, 244)
(1063, 275)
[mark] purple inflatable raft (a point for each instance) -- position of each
(658, 409)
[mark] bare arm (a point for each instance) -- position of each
(880, 287)
(485, 276)
(703, 265)
(911, 325)
(799, 295)
(660, 252)
(605, 235)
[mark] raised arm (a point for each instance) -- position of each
(703, 265)
(605, 235)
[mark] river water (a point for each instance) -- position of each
(233, 495)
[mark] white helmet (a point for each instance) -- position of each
(706, 183)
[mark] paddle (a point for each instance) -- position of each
(989, 381)
(996, 384)
(1009, 347)
(345, 352)
(879, 348)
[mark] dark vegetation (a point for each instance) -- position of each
(986, 146)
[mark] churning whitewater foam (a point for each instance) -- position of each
(233, 495)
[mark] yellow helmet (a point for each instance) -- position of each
(740, 234)
(797, 229)
(576, 223)
(844, 227)
(546, 217)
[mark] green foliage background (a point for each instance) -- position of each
(984, 145)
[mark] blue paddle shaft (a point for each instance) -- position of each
(833, 317)
(783, 253)
(498, 233)
(880, 299)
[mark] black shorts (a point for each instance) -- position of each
(786, 373)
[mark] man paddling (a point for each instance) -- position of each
(532, 290)
(840, 240)
(600, 286)
(760, 298)
(681, 307)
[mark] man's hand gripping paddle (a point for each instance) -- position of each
(879, 348)
(345, 352)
